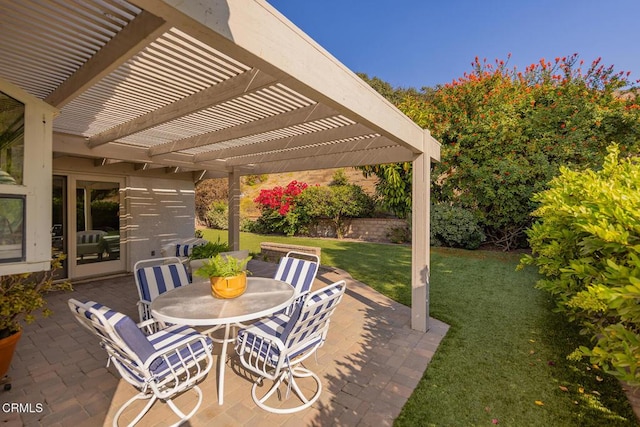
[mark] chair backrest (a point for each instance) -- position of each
(299, 273)
(309, 325)
(124, 343)
(153, 280)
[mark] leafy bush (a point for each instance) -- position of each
(337, 203)
(209, 249)
(252, 180)
(454, 227)
(505, 132)
(218, 215)
(277, 209)
(587, 244)
(207, 192)
(339, 178)
(399, 235)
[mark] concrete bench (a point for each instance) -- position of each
(272, 252)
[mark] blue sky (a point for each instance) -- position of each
(424, 43)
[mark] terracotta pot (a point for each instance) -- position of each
(228, 287)
(7, 348)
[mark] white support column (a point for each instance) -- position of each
(420, 252)
(234, 210)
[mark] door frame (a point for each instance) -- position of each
(75, 270)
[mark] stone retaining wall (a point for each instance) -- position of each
(370, 229)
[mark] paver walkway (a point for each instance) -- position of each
(369, 366)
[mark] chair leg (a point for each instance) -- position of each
(140, 396)
(152, 399)
(179, 413)
(297, 372)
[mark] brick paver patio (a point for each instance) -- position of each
(369, 366)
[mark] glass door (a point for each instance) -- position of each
(59, 223)
(86, 225)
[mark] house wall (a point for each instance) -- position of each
(159, 210)
(156, 206)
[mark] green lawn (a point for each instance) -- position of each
(504, 357)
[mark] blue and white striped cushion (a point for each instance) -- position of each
(158, 279)
(126, 329)
(274, 326)
(173, 335)
(302, 330)
(298, 273)
(185, 250)
(315, 313)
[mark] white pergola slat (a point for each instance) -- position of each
(215, 88)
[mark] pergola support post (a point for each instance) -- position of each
(234, 210)
(420, 252)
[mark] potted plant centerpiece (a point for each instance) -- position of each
(227, 274)
(199, 254)
(20, 296)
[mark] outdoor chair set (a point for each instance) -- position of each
(164, 359)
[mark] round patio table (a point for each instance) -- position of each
(194, 305)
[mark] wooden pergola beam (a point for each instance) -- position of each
(268, 124)
(244, 83)
(299, 141)
(142, 30)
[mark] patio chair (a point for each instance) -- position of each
(161, 365)
(299, 273)
(156, 276)
(274, 348)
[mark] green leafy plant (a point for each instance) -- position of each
(454, 227)
(587, 245)
(399, 235)
(505, 133)
(218, 215)
(336, 203)
(209, 249)
(222, 266)
(23, 294)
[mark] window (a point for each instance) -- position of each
(11, 140)
(12, 219)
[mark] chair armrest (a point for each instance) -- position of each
(179, 366)
(150, 326)
(175, 349)
(264, 336)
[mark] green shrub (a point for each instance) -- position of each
(336, 203)
(587, 245)
(339, 178)
(399, 235)
(209, 249)
(218, 215)
(454, 227)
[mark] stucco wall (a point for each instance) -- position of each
(160, 210)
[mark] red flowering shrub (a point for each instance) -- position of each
(277, 206)
(278, 198)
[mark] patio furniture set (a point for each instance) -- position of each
(171, 350)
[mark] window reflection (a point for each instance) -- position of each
(98, 221)
(11, 140)
(11, 228)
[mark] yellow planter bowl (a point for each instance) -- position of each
(228, 287)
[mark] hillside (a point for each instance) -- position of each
(251, 186)
(321, 177)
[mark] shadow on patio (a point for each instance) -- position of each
(369, 366)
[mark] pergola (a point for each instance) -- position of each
(215, 88)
